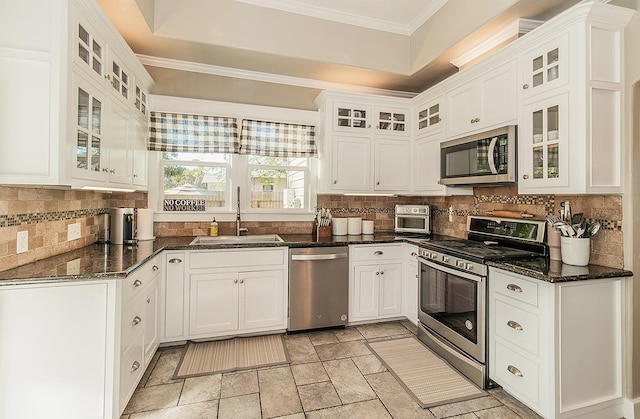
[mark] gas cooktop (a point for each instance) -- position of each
(478, 250)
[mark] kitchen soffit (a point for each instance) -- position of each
(291, 50)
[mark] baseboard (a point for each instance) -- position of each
(631, 408)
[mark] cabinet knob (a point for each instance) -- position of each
(377, 273)
(175, 260)
(377, 183)
(514, 325)
(104, 169)
(242, 281)
(514, 288)
(335, 181)
(381, 272)
(148, 300)
(513, 370)
(113, 171)
(378, 252)
(235, 281)
(525, 86)
(137, 283)
(155, 268)
(135, 366)
(136, 320)
(525, 177)
(414, 254)
(134, 175)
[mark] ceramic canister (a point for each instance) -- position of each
(354, 227)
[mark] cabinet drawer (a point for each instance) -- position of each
(517, 326)
(519, 289)
(132, 322)
(131, 370)
(150, 268)
(376, 253)
(237, 257)
(133, 284)
(516, 373)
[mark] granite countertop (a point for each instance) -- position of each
(102, 261)
(554, 271)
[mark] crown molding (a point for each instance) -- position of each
(266, 77)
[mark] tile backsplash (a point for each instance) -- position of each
(46, 212)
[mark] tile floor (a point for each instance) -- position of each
(332, 375)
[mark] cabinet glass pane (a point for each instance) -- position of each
(359, 114)
(434, 120)
(434, 109)
(553, 121)
(385, 116)
(398, 117)
(422, 124)
(97, 49)
(553, 73)
(398, 127)
(553, 56)
(553, 167)
(116, 70)
(343, 122)
(537, 62)
(81, 150)
(125, 92)
(384, 125)
(538, 162)
(358, 123)
(143, 108)
(83, 35)
(83, 53)
(423, 114)
(95, 154)
(96, 116)
(97, 66)
(344, 112)
(83, 109)
(537, 126)
(125, 79)
(538, 79)
(144, 98)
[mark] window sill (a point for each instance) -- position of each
(231, 216)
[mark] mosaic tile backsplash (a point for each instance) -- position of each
(47, 212)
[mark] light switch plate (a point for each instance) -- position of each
(22, 241)
(73, 231)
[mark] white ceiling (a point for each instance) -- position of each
(284, 52)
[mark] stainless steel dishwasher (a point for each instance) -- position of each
(318, 287)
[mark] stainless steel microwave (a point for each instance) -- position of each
(415, 219)
(485, 158)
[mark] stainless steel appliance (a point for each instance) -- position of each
(104, 222)
(452, 287)
(485, 158)
(122, 229)
(413, 219)
(318, 287)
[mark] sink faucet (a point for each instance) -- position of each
(238, 228)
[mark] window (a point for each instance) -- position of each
(279, 182)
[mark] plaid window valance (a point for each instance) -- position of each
(275, 139)
(192, 133)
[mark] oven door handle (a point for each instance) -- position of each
(490, 157)
(451, 271)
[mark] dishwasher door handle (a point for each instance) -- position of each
(330, 256)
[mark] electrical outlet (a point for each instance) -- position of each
(22, 241)
(73, 267)
(73, 231)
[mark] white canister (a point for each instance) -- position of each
(354, 226)
(339, 226)
(575, 251)
(367, 227)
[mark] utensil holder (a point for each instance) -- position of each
(322, 231)
(575, 250)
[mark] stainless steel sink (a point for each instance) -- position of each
(256, 238)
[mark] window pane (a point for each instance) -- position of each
(203, 157)
(278, 161)
(196, 182)
(277, 188)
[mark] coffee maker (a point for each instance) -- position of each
(122, 229)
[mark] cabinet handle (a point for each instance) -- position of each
(525, 86)
(378, 252)
(381, 272)
(136, 321)
(416, 276)
(155, 268)
(137, 283)
(335, 181)
(377, 273)
(477, 120)
(148, 300)
(105, 169)
(235, 281)
(242, 281)
(525, 177)
(513, 370)
(514, 325)
(113, 171)
(514, 288)
(134, 175)
(414, 254)
(175, 260)
(377, 183)
(135, 366)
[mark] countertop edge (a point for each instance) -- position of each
(574, 273)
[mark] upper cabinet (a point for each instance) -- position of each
(86, 94)
(545, 67)
(428, 116)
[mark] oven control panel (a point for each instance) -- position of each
(453, 261)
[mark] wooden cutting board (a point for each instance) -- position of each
(510, 214)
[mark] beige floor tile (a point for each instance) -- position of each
(395, 398)
(206, 410)
(165, 367)
(513, 404)
(300, 349)
(372, 409)
(246, 407)
(382, 330)
(322, 337)
(124, 417)
(239, 383)
(369, 364)
(154, 398)
(348, 334)
(466, 406)
(201, 389)
(500, 412)
(342, 350)
(348, 381)
(410, 326)
(294, 416)
(149, 370)
(318, 396)
(309, 373)
(278, 392)
(465, 416)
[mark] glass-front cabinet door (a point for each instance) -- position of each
(119, 78)
(544, 142)
(89, 117)
(351, 118)
(546, 67)
(392, 121)
(90, 51)
(429, 116)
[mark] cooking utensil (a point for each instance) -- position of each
(593, 229)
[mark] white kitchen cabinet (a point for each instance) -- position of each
(545, 67)
(410, 293)
(391, 171)
(350, 164)
(151, 303)
(488, 100)
(351, 117)
(139, 154)
(173, 297)
(429, 116)
(391, 121)
(213, 304)
(375, 285)
(64, 46)
(557, 347)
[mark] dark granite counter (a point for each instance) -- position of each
(555, 271)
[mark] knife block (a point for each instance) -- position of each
(321, 231)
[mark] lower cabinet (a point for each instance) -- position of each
(557, 347)
(375, 285)
(410, 275)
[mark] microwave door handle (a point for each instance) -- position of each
(490, 157)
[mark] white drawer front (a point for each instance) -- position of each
(517, 326)
(132, 322)
(516, 373)
(134, 283)
(237, 257)
(131, 370)
(521, 290)
(376, 253)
